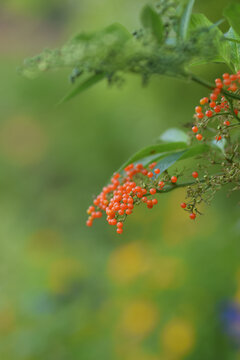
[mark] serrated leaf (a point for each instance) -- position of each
(83, 86)
(232, 13)
(185, 19)
(234, 48)
(173, 135)
(221, 51)
(151, 20)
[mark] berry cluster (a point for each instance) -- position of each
(220, 106)
(138, 185)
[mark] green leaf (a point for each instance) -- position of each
(234, 48)
(83, 86)
(232, 13)
(166, 154)
(171, 159)
(219, 53)
(173, 135)
(185, 19)
(152, 21)
(153, 151)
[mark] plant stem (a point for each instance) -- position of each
(211, 86)
(232, 109)
(177, 186)
(201, 81)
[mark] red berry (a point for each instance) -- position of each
(199, 137)
(198, 109)
(217, 109)
(152, 191)
(128, 211)
(200, 115)
(192, 216)
(226, 122)
(225, 76)
(195, 129)
(183, 205)
(157, 171)
(219, 85)
(152, 165)
(208, 113)
(213, 96)
(119, 224)
(204, 101)
(227, 82)
(218, 137)
(173, 179)
(119, 230)
(195, 174)
(154, 201)
(150, 174)
(161, 184)
(89, 223)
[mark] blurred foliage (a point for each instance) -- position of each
(68, 292)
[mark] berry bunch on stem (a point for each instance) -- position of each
(216, 114)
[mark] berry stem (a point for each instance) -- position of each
(201, 81)
(231, 107)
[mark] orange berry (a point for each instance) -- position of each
(157, 171)
(199, 137)
(119, 224)
(227, 82)
(195, 129)
(217, 109)
(173, 179)
(225, 76)
(89, 223)
(161, 184)
(204, 101)
(152, 191)
(208, 113)
(200, 115)
(154, 201)
(150, 174)
(119, 230)
(152, 165)
(198, 109)
(213, 97)
(212, 104)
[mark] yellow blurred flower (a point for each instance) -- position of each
(177, 338)
(7, 320)
(62, 273)
(44, 240)
(139, 318)
(167, 272)
(127, 263)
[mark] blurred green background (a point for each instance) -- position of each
(68, 292)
